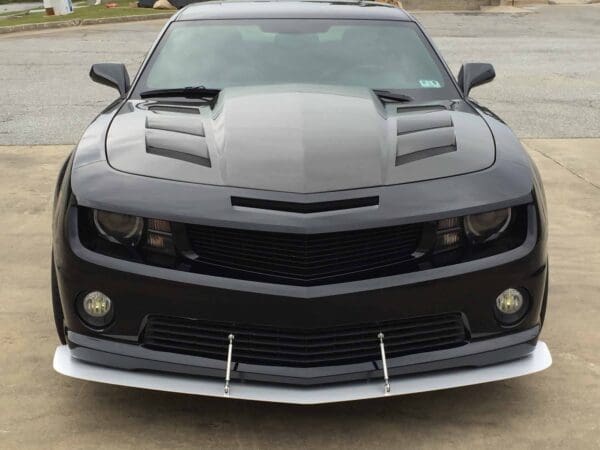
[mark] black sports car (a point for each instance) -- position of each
(298, 202)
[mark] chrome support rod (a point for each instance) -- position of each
(231, 337)
(386, 379)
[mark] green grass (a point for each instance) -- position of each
(89, 12)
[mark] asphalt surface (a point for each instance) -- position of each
(558, 408)
(16, 7)
(548, 82)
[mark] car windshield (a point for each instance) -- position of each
(387, 55)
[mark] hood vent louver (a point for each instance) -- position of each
(177, 136)
(423, 135)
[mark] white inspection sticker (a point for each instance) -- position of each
(430, 83)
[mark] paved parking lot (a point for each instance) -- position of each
(548, 63)
(548, 82)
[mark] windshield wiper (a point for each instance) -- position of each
(188, 92)
(392, 96)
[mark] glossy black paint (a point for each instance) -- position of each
(175, 192)
(475, 74)
(112, 75)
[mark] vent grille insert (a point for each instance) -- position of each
(262, 345)
(306, 259)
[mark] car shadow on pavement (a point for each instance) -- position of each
(488, 406)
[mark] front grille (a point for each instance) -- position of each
(305, 258)
(303, 348)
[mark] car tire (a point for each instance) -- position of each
(545, 301)
(57, 306)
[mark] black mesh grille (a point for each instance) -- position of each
(306, 258)
(303, 348)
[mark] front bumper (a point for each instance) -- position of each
(138, 290)
(539, 359)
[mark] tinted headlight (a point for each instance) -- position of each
(119, 228)
(487, 226)
(128, 237)
(464, 238)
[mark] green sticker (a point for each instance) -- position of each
(430, 83)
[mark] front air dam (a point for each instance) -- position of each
(536, 361)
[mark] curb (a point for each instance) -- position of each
(82, 22)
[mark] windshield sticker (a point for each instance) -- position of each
(430, 83)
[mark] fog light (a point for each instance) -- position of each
(509, 302)
(511, 306)
(96, 304)
(96, 309)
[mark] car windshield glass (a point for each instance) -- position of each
(217, 54)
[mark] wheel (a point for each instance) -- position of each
(56, 305)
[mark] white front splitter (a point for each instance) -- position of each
(536, 361)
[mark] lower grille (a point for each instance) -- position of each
(304, 348)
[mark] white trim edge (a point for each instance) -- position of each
(536, 361)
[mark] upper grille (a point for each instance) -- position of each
(305, 258)
(274, 346)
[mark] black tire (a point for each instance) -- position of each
(56, 305)
(545, 301)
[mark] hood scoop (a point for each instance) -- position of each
(177, 136)
(422, 135)
(298, 139)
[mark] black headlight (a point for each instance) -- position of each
(119, 228)
(487, 226)
(479, 235)
(126, 236)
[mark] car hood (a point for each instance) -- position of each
(301, 139)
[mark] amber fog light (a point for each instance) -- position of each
(511, 306)
(96, 309)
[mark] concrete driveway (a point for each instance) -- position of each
(558, 408)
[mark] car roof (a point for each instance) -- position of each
(310, 9)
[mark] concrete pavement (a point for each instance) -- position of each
(558, 408)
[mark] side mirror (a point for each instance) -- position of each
(475, 74)
(113, 75)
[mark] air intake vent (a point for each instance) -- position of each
(255, 344)
(305, 208)
(424, 135)
(177, 136)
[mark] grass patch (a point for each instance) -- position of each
(87, 12)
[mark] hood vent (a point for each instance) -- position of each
(169, 108)
(177, 136)
(305, 208)
(424, 135)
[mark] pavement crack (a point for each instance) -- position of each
(578, 175)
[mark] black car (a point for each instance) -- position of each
(298, 202)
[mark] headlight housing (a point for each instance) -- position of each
(487, 226)
(119, 228)
(464, 238)
(125, 236)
